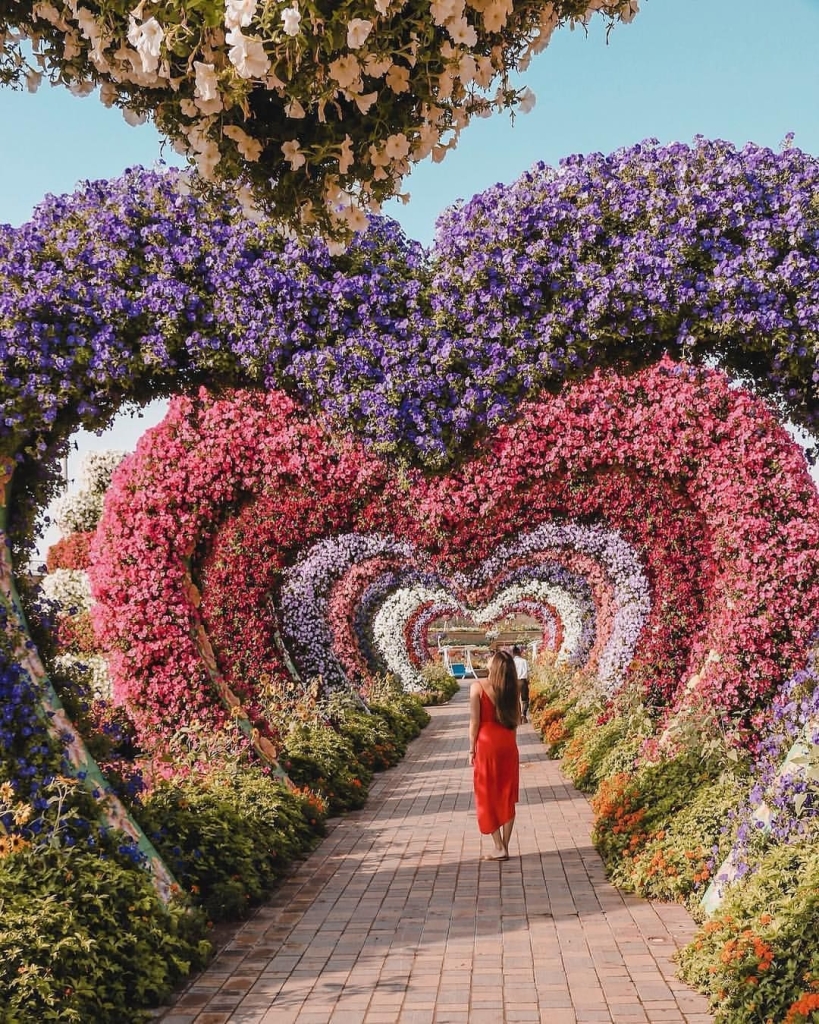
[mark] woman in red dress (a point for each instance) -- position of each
(494, 715)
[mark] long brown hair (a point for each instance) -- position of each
(503, 682)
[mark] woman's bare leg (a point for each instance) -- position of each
(506, 834)
(500, 852)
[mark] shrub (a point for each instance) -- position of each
(439, 685)
(631, 808)
(84, 938)
(757, 959)
(229, 836)
(676, 860)
(318, 757)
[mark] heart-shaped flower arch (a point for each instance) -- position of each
(316, 530)
(132, 289)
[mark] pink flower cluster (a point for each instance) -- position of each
(697, 478)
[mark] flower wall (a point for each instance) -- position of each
(420, 351)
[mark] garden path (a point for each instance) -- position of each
(395, 918)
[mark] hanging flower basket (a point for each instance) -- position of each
(313, 110)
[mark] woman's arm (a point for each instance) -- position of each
(474, 718)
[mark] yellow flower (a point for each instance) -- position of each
(6, 792)
(18, 843)
(22, 814)
(5, 846)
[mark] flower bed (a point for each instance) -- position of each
(664, 827)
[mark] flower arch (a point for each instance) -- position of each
(134, 288)
(239, 512)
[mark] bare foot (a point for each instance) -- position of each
(497, 855)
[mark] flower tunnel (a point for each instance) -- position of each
(518, 418)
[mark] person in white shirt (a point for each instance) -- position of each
(522, 667)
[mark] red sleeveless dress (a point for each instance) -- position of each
(496, 771)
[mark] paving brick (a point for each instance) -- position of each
(395, 919)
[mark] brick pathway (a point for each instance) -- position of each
(395, 918)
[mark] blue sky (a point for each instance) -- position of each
(741, 70)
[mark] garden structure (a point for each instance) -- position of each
(597, 360)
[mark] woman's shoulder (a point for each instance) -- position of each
(476, 689)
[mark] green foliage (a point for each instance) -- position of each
(375, 744)
(84, 938)
(588, 753)
(631, 810)
(439, 685)
(228, 836)
(322, 759)
(674, 863)
(758, 956)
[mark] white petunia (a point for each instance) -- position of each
(443, 10)
(247, 54)
(345, 70)
(397, 146)
(82, 87)
(496, 15)
(346, 158)
(293, 155)
(357, 31)
(355, 218)
(398, 78)
(526, 101)
(291, 21)
(108, 94)
(146, 38)
(207, 157)
(250, 148)
(377, 67)
(239, 13)
(461, 32)
(206, 91)
(133, 118)
(467, 68)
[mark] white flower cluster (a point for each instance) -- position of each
(390, 630)
(623, 568)
(97, 468)
(80, 512)
(87, 670)
(77, 513)
(572, 611)
(69, 589)
(340, 99)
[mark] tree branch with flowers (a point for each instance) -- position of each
(314, 111)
